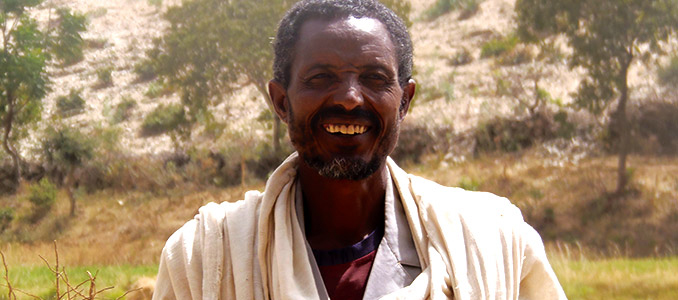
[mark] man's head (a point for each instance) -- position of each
(290, 25)
(342, 94)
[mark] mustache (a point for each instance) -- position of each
(340, 112)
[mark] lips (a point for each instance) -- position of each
(346, 129)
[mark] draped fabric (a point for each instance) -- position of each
(471, 245)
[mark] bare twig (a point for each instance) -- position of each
(10, 293)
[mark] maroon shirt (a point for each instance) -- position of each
(345, 271)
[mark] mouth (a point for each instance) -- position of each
(345, 129)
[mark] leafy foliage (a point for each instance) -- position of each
(123, 110)
(42, 196)
(164, 118)
(68, 44)
(104, 77)
(67, 147)
(441, 7)
(668, 75)
(498, 46)
(71, 104)
(606, 37)
(24, 53)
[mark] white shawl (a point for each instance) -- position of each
(471, 245)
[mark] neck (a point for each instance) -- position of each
(340, 213)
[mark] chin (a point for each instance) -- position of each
(345, 168)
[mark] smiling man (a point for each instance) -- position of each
(339, 219)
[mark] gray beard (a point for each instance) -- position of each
(344, 168)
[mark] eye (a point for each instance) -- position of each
(319, 79)
(376, 79)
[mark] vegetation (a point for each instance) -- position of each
(164, 118)
(441, 7)
(24, 53)
(606, 38)
(123, 110)
(68, 44)
(42, 196)
(71, 104)
(67, 149)
(499, 46)
(668, 74)
(104, 77)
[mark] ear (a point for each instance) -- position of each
(278, 95)
(408, 94)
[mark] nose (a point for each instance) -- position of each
(349, 94)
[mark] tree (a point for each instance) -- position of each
(214, 47)
(24, 53)
(606, 37)
(67, 149)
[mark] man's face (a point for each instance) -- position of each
(343, 103)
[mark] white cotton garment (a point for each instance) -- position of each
(471, 245)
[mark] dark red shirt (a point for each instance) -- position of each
(345, 271)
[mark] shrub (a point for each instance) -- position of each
(510, 135)
(654, 129)
(668, 75)
(417, 140)
(145, 71)
(163, 119)
(156, 89)
(123, 110)
(42, 196)
(441, 7)
(104, 77)
(462, 57)
(67, 147)
(498, 46)
(68, 45)
(70, 105)
(6, 217)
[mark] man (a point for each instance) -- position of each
(338, 219)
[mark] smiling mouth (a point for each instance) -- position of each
(345, 129)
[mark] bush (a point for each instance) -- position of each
(104, 77)
(42, 196)
(417, 140)
(164, 119)
(70, 105)
(668, 75)
(461, 58)
(67, 147)
(145, 71)
(6, 217)
(499, 46)
(441, 7)
(123, 110)
(69, 43)
(654, 129)
(510, 135)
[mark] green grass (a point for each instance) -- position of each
(619, 279)
(39, 280)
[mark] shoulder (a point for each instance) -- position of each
(210, 223)
(467, 204)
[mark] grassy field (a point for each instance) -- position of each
(619, 279)
(39, 280)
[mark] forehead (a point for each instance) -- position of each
(346, 40)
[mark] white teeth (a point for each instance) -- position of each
(345, 129)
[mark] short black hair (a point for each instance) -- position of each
(290, 25)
